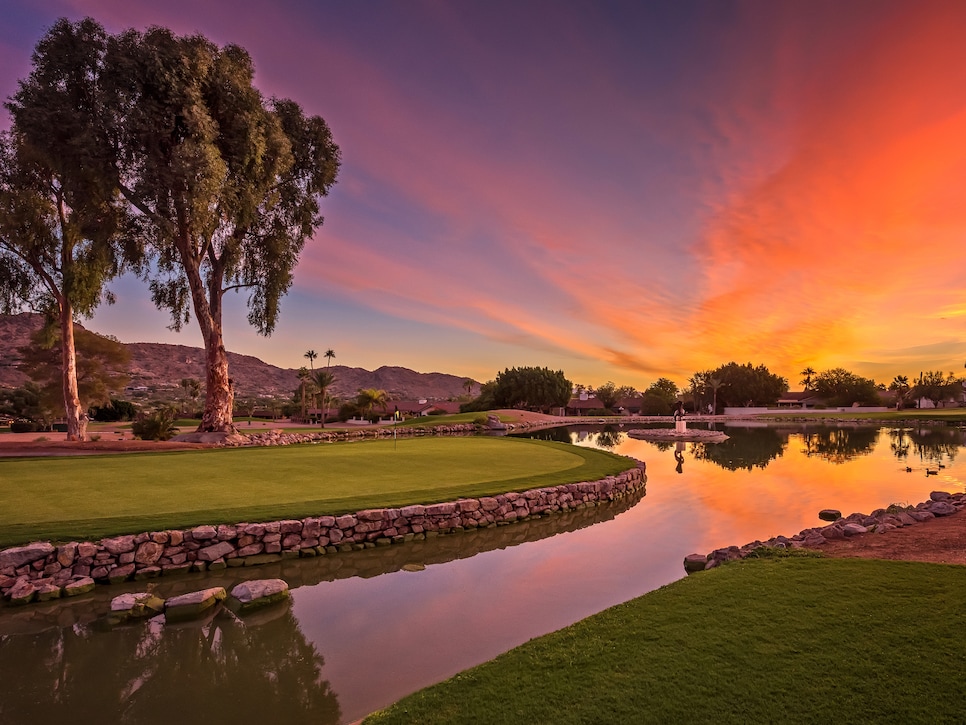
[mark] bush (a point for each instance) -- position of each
(23, 426)
(437, 411)
(481, 420)
(158, 426)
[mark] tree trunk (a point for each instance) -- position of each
(220, 394)
(76, 418)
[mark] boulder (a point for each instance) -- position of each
(256, 594)
(78, 586)
(942, 508)
(21, 555)
(695, 562)
(135, 605)
(830, 514)
(189, 606)
(853, 529)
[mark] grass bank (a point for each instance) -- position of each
(778, 640)
(60, 498)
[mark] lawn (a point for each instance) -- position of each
(91, 496)
(798, 640)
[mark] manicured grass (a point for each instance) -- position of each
(798, 640)
(945, 415)
(84, 497)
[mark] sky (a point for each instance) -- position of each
(619, 190)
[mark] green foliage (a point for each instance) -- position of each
(486, 400)
(156, 426)
(99, 366)
(743, 385)
(665, 389)
(530, 387)
(655, 404)
(842, 388)
(23, 426)
(369, 399)
(480, 420)
(607, 395)
(114, 411)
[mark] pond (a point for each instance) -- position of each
(366, 628)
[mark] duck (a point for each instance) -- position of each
(908, 469)
(930, 472)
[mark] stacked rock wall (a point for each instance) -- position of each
(44, 571)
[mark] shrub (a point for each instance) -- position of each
(23, 426)
(437, 411)
(158, 426)
(481, 420)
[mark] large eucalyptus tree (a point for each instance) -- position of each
(228, 183)
(64, 232)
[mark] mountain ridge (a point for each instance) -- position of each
(162, 366)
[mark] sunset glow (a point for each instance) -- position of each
(622, 190)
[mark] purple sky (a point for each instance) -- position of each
(622, 190)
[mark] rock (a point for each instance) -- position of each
(216, 551)
(830, 514)
(188, 606)
(120, 573)
(853, 529)
(942, 508)
(148, 553)
(48, 590)
(256, 594)
(118, 544)
(136, 605)
(78, 586)
(21, 555)
(939, 496)
(695, 562)
(23, 592)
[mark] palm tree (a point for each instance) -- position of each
(715, 384)
(303, 384)
(807, 379)
(329, 354)
(323, 380)
(900, 384)
(311, 355)
(369, 398)
(468, 384)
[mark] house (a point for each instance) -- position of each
(804, 399)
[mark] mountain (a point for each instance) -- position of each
(159, 367)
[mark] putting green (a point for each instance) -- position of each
(87, 496)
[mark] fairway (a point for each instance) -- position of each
(83, 497)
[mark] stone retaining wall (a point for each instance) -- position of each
(43, 571)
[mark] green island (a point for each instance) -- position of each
(82, 497)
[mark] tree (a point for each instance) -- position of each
(329, 354)
(369, 398)
(665, 389)
(468, 384)
(607, 395)
(323, 379)
(311, 355)
(61, 221)
(900, 385)
(808, 373)
(841, 387)
(530, 387)
(746, 385)
(304, 383)
(99, 368)
(192, 388)
(226, 186)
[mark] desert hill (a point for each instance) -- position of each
(161, 366)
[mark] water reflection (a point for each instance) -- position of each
(745, 449)
(220, 670)
(838, 445)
